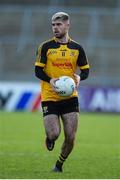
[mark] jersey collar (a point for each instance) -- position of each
(56, 40)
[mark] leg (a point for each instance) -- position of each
(70, 123)
(52, 126)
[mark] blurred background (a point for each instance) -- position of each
(24, 24)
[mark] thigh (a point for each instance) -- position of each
(70, 123)
(52, 124)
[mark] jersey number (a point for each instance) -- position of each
(63, 53)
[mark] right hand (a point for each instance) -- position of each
(77, 80)
(52, 82)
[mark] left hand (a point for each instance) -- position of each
(77, 80)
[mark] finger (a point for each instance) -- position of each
(77, 79)
(52, 82)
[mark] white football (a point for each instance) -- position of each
(65, 86)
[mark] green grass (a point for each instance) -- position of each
(23, 154)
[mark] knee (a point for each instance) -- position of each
(53, 135)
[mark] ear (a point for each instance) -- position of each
(68, 25)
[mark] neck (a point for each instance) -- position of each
(64, 39)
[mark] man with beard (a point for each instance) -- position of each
(60, 56)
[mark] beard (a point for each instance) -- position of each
(59, 35)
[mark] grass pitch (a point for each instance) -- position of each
(23, 154)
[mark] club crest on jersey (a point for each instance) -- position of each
(72, 54)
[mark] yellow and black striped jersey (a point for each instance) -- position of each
(59, 59)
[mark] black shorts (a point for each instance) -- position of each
(60, 107)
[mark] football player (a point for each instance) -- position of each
(54, 58)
